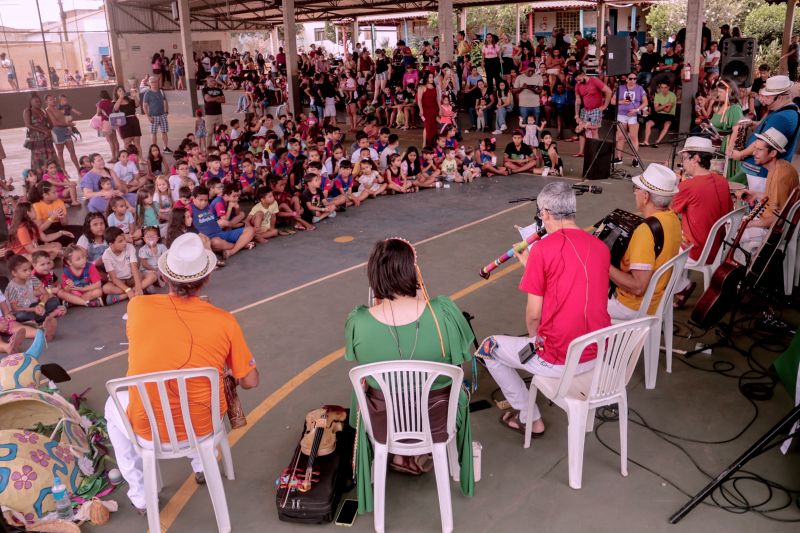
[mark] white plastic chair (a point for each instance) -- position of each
(664, 314)
(791, 264)
(406, 386)
(733, 220)
(618, 349)
(158, 383)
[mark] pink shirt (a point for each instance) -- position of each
(411, 77)
(555, 271)
(490, 51)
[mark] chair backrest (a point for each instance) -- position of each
(732, 220)
(618, 350)
(674, 269)
(157, 388)
(406, 387)
(790, 217)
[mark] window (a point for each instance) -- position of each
(569, 20)
(319, 34)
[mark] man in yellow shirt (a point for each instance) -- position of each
(653, 192)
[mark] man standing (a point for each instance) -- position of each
(62, 132)
(592, 98)
(581, 46)
(11, 73)
(518, 155)
(653, 243)
(566, 283)
(528, 86)
(702, 199)
(793, 57)
(768, 151)
(156, 107)
(784, 116)
(171, 332)
(213, 98)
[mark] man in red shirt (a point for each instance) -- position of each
(703, 198)
(595, 96)
(566, 278)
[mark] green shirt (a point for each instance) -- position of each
(664, 99)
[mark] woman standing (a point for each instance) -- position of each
(39, 139)
(631, 100)
(491, 61)
(505, 103)
(131, 132)
(383, 72)
(180, 72)
(428, 104)
(727, 111)
(104, 108)
(506, 56)
(348, 88)
(404, 324)
(488, 101)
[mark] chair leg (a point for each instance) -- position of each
(159, 478)
(706, 279)
(623, 434)
(379, 465)
(531, 402)
(575, 440)
(215, 487)
(667, 327)
(651, 351)
(443, 487)
(227, 458)
(452, 459)
(590, 421)
(150, 467)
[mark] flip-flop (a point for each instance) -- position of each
(424, 462)
(683, 296)
(514, 417)
(403, 467)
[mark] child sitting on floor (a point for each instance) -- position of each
(315, 209)
(120, 217)
(471, 169)
(151, 251)
(120, 261)
(92, 239)
(263, 215)
(489, 160)
(370, 180)
(65, 189)
(28, 299)
(449, 166)
(82, 283)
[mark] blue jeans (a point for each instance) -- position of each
(644, 78)
(502, 111)
(473, 116)
(525, 112)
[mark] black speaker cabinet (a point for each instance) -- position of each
(618, 50)
(738, 58)
(600, 167)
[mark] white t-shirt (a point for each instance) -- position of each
(711, 56)
(235, 134)
(528, 98)
(126, 173)
(175, 184)
(120, 264)
(126, 224)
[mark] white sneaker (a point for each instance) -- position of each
(466, 131)
(497, 132)
(503, 127)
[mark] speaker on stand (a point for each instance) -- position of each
(738, 55)
(618, 52)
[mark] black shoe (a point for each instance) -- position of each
(616, 161)
(166, 150)
(200, 478)
(635, 162)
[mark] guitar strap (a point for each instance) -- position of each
(658, 233)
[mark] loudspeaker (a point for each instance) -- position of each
(618, 52)
(738, 56)
(600, 167)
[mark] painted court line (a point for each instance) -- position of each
(176, 504)
(268, 299)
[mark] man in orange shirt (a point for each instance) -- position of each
(171, 332)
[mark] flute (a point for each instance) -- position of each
(517, 248)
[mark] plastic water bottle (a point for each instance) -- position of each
(63, 503)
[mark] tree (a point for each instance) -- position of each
(496, 19)
(765, 23)
(667, 18)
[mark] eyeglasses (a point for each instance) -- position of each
(632, 78)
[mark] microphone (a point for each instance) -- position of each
(594, 189)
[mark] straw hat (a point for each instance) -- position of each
(657, 179)
(698, 144)
(774, 138)
(187, 260)
(776, 85)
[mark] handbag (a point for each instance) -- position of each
(96, 122)
(27, 143)
(117, 119)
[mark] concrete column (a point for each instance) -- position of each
(354, 39)
(372, 34)
(113, 41)
(580, 21)
(787, 34)
(446, 31)
(692, 51)
(290, 49)
(633, 21)
(273, 40)
(530, 27)
(405, 31)
(463, 21)
(336, 37)
(516, 6)
(188, 53)
(601, 25)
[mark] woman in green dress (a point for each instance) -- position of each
(727, 111)
(404, 325)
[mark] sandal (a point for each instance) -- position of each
(683, 296)
(510, 419)
(250, 246)
(408, 465)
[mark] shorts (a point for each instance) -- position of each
(659, 119)
(712, 70)
(160, 123)
(627, 119)
(231, 235)
(592, 116)
(62, 134)
(554, 71)
(179, 71)
(381, 76)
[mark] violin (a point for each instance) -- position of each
(319, 438)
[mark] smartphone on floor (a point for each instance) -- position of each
(347, 513)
